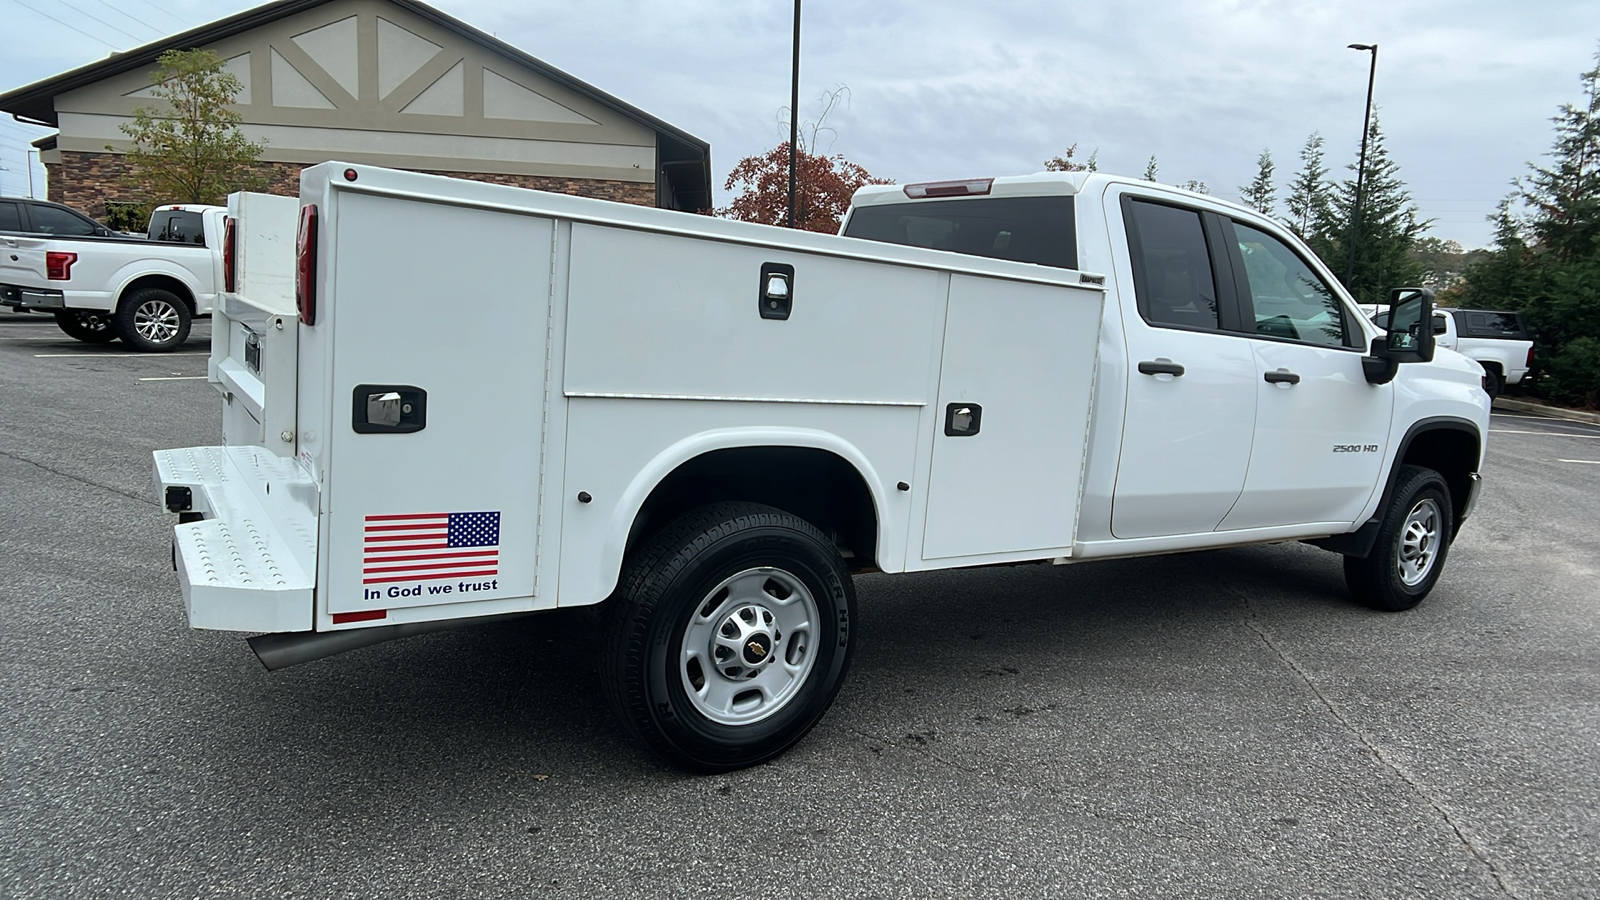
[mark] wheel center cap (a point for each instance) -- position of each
(757, 649)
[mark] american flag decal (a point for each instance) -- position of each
(430, 546)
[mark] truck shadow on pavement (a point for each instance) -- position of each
(502, 706)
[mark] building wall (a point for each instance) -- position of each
(367, 81)
(86, 181)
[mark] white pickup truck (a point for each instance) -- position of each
(144, 290)
(1494, 339)
(710, 426)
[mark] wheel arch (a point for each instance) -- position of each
(164, 281)
(1448, 445)
(810, 473)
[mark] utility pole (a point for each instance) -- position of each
(1361, 168)
(794, 111)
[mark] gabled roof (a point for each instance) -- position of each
(688, 157)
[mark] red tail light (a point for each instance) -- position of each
(1529, 363)
(58, 266)
(230, 258)
(305, 276)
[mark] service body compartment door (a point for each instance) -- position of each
(440, 315)
(1015, 387)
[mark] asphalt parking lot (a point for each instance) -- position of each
(1221, 724)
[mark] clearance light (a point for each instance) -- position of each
(230, 258)
(58, 266)
(969, 188)
(305, 272)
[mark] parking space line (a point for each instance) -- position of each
(174, 378)
(154, 356)
(1590, 437)
(1587, 462)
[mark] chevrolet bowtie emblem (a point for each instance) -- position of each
(756, 649)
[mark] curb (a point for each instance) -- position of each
(1573, 415)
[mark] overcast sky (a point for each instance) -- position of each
(945, 89)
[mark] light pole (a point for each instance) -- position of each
(794, 110)
(27, 158)
(1361, 168)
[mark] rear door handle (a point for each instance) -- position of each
(1160, 366)
(1281, 376)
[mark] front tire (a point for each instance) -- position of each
(1413, 541)
(729, 636)
(89, 327)
(152, 320)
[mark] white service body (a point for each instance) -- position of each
(574, 354)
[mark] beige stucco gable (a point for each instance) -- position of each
(369, 81)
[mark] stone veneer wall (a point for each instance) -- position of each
(85, 181)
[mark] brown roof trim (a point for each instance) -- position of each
(36, 102)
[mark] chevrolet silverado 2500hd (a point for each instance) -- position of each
(709, 426)
(144, 290)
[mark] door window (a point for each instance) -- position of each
(1290, 300)
(50, 220)
(10, 219)
(1172, 275)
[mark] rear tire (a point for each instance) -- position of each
(729, 636)
(152, 320)
(1413, 541)
(89, 327)
(1494, 382)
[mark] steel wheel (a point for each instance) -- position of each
(729, 635)
(748, 648)
(1408, 553)
(1419, 543)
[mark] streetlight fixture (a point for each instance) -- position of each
(794, 110)
(1361, 167)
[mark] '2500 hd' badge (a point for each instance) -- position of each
(1355, 448)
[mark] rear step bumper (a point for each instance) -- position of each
(249, 564)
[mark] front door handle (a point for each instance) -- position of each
(1160, 366)
(1281, 376)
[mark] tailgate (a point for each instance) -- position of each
(22, 263)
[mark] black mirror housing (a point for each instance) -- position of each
(1410, 335)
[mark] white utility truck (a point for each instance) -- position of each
(1495, 339)
(448, 402)
(144, 290)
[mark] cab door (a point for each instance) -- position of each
(1321, 430)
(1191, 398)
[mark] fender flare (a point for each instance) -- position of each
(667, 461)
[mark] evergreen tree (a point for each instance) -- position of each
(1386, 227)
(1150, 170)
(1546, 263)
(1260, 194)
(1308, 192)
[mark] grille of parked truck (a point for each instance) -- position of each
(447, 402)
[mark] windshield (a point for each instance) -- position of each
(1024, 229)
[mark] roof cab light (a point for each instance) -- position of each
(58, 266)
(230, 256)
(305, 274)
(970, 187)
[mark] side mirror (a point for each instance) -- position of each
(101, 231)
(1409, 338)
